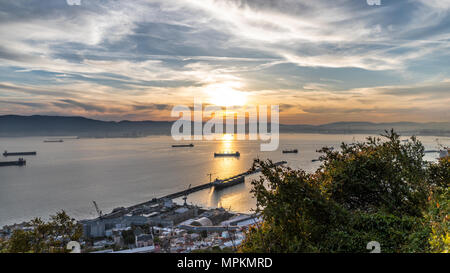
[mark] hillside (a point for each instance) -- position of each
(13, 125)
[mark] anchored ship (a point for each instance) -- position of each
(18, 153)
(221, 184)
(20, 162)
(57, 140)
(444, 153)
(182, 145)
(294, 151)
(236, 154)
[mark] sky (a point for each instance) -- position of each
(320, 61)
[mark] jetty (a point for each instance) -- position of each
(6, 153)
(20, 162)
(218, 184)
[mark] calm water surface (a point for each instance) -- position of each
(126, 171)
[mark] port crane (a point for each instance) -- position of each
(210, 176)
(99, 212)
(185, 196)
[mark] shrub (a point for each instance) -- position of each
(371, 191)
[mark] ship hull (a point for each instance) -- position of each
(19, 154)
(183, 146)
(229, 183)
(13, 163)
(227, 155)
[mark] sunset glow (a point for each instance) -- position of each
(225, 95)
(321, 61)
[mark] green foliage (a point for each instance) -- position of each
(439, 174)
(128, 237)
(45, 237)
(377, 175)
(371, 191)
(438, 218)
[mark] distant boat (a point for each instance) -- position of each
(290, 151)
(18, 153)
(236, 154)
(444, 153)
(51, 140)
(20, 162)
(182, 145)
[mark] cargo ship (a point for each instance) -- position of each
(236, 154)
(182, 145)
(50, 141)
(20, 162)
(18, 153)
(444, 153)
(221, 184)
(290, 151)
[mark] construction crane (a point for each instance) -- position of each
(185, 196)
(210, 176)
(99, 212)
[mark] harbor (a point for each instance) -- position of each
(218, 184)
(125, 172)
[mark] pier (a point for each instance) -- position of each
(218, 184)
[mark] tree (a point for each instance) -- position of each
(45, 237)
(439, 219)
(371, 191)
(128, 237)
(377, 175)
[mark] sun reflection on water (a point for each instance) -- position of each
(228, 166)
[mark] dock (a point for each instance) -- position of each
(217, 184)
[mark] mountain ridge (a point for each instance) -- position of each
(45, 125)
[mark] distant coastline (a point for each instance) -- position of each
(38, 125)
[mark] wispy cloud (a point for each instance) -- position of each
(315, 57)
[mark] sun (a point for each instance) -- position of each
(225, 95)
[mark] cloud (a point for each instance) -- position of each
(153, 106)
(28, 104)
(102, 57)
(85, 106)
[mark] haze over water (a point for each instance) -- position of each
(125, 171)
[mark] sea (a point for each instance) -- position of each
(120, 172)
